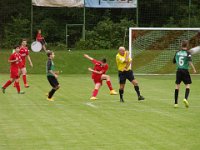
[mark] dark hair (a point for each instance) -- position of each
(184, 43)
(49, 53)
(103, 60)
(16, 46)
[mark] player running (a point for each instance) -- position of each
(52, 75)
(24, 53)
(124, 72)
(183, 59)
(99, 74)
(15, 61)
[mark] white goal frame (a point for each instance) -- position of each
(143, 28)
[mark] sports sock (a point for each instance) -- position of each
(176, 96)
(187, 92)
(24, 79)
(109, 85)
(137, 90)
(17, 86)
(121, 92)
(7, 84)
(95, 92)
(51, 93)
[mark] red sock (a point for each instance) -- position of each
(17, 86)
(24, 79)
(109, 85)
(7, 84)
(95, 92)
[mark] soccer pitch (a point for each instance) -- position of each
(72, 121)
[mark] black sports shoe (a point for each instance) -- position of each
(121, 100)
(140, 98)
(3, 90)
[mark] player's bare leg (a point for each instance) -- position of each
(108, 82)
(137, 89)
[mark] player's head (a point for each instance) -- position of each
(122, 50)
(104, 60)
(50, 54)
(24, 42)
(17, 48)
(185, 44)
(39, 30)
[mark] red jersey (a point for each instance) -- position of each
(24, 52)
(99, 67)
(15, 65)
(39, 37)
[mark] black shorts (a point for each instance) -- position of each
(53, 81)
(123, 75)
(183, 75)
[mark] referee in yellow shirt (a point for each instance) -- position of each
(124, 72)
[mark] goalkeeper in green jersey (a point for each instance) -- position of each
(183, 59)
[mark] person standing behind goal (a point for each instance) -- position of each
(124, 72)
(183, 59)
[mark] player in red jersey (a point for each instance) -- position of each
(24, 53)
(41, 39)
(15, 61)
(98, 75)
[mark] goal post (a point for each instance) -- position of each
(154, 48)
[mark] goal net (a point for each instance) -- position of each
(153, 49)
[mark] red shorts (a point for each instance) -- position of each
(14, 73)
(97, 79)
(22, 65)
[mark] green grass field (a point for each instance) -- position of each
(72, 121)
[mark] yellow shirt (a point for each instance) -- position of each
(121, 64)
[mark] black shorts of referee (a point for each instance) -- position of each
(123, 75)
(53, 81)
(183, 75)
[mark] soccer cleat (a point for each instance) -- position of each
(113, 92)
(26, 86)
(140, 98)
(93, 98)
(3, 90)
(21, 92)
(50, 99)
(186, 103)
(121, 100)
(175, 105)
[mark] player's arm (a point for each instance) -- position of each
(193, 68)
(51, 71)
(127, 56)
(174, 59)
(12, 59)
(128, 64)
(92, 70)
(29, 59)
(88, 57)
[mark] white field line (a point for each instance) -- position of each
(91, 105)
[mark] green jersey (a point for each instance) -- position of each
(182, 59)
(50, 66)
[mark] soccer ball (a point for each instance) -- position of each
(195, 50)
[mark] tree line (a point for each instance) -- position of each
(105, 28)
